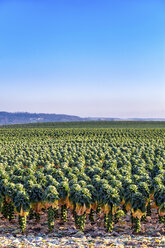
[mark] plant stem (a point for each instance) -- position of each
(137, 225)
(149, 209)
(91, 216)
(80, 221)
(50, 218)
(64, 213)
(22, 223)
(11, 211)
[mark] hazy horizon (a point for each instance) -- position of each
(102, 58)
(122, 117)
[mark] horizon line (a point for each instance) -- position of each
(113, 117)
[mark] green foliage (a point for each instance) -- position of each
(36, 193)
(63, 189)
(51, 195)
(159, 195)
(91, 124)
(78, 168)
(79, 195)
(138, 202)
(21, 201)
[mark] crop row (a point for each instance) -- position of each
(89, 171)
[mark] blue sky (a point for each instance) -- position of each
(83, 57)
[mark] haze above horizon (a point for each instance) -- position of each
(92, 58)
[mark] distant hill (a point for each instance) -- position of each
(7, 118)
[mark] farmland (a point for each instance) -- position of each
(84, 174)
(90, 124)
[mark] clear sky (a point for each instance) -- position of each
(83, 57)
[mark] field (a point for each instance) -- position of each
(90, 124)
(102, 178)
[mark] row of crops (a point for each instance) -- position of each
(90, 124)
(88, 172)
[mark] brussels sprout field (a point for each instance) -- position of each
(88, 172)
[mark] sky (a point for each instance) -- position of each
(83, 57)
